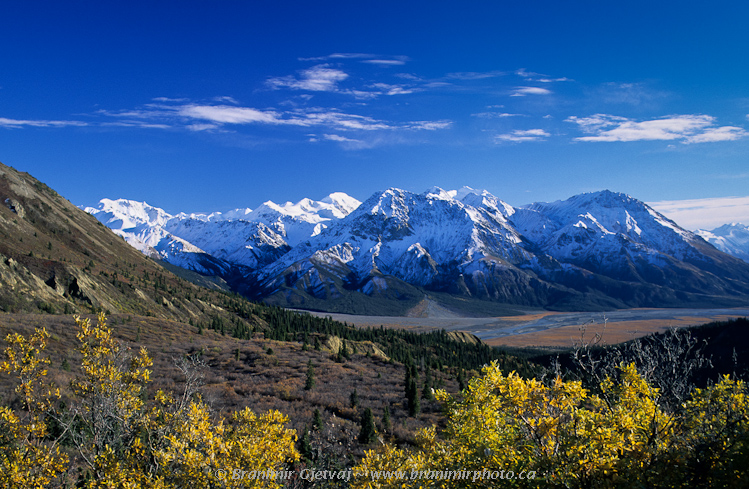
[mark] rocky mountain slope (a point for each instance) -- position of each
(56, 258)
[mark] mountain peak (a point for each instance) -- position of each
(124, 214)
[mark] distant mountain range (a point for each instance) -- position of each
(465, 249)
(729, 238)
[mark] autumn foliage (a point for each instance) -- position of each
(113, 437)
(565, 436)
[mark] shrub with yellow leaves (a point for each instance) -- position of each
(116, 438)
(560, 435)
(27, 458)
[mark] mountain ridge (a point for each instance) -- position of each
(594, 250)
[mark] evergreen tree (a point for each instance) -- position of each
(310, 383)
(386, 422)
(354, 398)
(368, 433)
(317, 423)
(412, 398)
(305, 447)
(426, 391)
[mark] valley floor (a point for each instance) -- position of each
(546, 329)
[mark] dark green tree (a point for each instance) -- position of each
(386, 422)
(412, 398)
(310, 382)
(317, 423)
(368, 433)
(426, 391)
(305, 448)
(354, 398)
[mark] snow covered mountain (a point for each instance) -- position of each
(729, 238)
(602, 249)
(216, 243)
(427, 240)
(596, 250)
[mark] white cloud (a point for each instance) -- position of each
(429, 125)
(412, 77)
(552, 80)
(319, 78)
(226, 114)
(226, 99)
(339, 139)
(167, 99)
(494, 115)
(341, 120)
(526, 74)
(725, 133)
(688, 128)
(538, 77)
(376, 59)
(389, 89)
(704, 213)
(522, 136)
(523, 91)
(16, 123)
(202, 127)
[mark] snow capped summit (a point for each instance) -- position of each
(730, 238)
(343, 204)
(297, 222)
(128, 214)
(603, 221)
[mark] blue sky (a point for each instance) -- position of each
(205, 106)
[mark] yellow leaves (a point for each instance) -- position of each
(124, 443)
(579, 439)
(198, 449)
(25, 459)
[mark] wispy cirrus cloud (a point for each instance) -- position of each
(213, 117)
(687, 128)
(390, 89)
(339, 139)
(374, 59)
(225, 114)
(494, 115)
(522, 136)
(385, 62)
(320, 78)
(429, 125)
(538, 77)
(18, 123)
